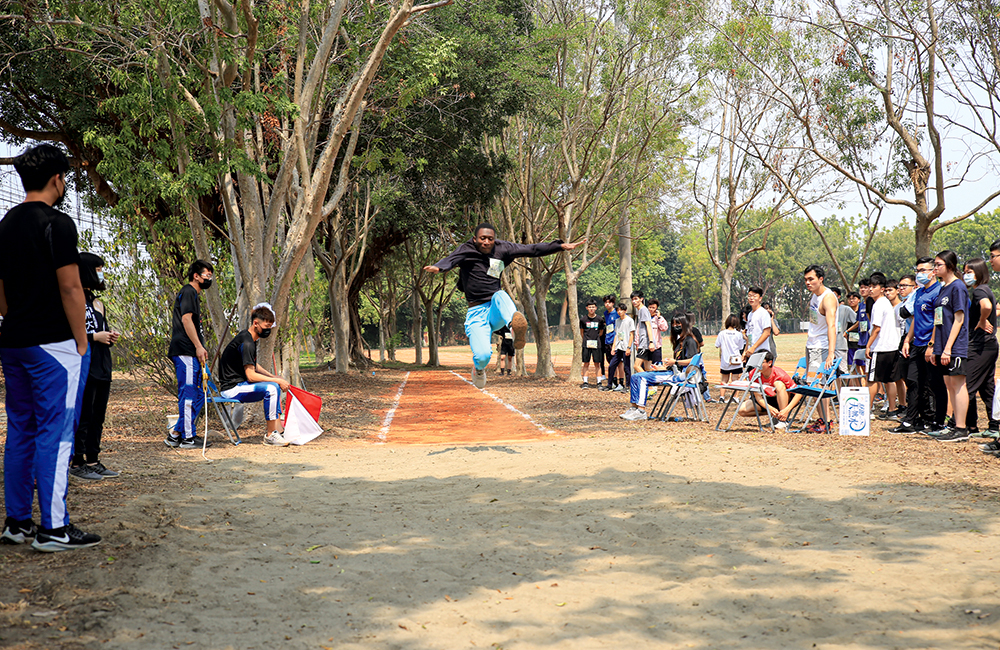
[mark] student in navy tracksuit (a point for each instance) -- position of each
(187, 351)
(44, 351)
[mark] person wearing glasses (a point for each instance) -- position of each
(926, 398)
(951, 342)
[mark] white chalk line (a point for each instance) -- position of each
(392, 412)
(509, 407)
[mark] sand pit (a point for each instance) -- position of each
(451, 531)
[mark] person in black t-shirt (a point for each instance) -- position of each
(44, 352)
(592, 333)
(242, 378)
(983, 348)
(187, 351)
(505, 349)
(481, 260)
(86, 463)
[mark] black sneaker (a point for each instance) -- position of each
(584, 385)
(84, 473)
(99, 468)
(935, 430)
(903, 428)
(605, 387)
(173, 440)
(66, 538)
(17, 532)
(990, 448)
(194, 442)
(954, 435)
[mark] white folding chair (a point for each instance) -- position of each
(751, 384)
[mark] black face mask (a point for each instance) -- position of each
(206, 284)
(264, 333)
(675, 330)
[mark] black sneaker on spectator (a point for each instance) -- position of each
(903, 428)
(935, 430)
(584, 385)
(992, 447)
(99, 468)
(65, 538)
(17, 532)
(84, 473)
(195, 442)
(954, 435)
(172, 440)
(604, 387)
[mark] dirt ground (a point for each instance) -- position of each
(525, 516)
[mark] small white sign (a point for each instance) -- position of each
(855, 411)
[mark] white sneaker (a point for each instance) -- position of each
(275, 439)
(634, 414)
(479, 378)
(780, 425)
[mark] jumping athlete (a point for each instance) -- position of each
(481, 260)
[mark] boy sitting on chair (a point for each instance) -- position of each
(776, 384)
(242, 378)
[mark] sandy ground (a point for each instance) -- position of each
(652, 536)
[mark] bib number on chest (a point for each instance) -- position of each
(496, 268)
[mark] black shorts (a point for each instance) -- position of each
(771, 401)
(955, 368)
(734, 371)
(882, 366)
(656, 356)
(591, 354)
(507, 347)
(642, 354)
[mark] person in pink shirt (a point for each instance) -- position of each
(660, 325)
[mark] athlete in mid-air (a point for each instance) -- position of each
(481, 260)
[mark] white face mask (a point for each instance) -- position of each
(970, 279)
(100, 276)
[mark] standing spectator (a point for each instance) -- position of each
(951, 342)
(926, 397)
(730, 342)
(505, 349)
(993, 447)
(619, 371)
(883, 342)
(865, 305)
(44, 353)
(821, 337)
(592, 332)
(610, 319)
(983, 349)
(187, 351)
(845, 318)
(758, 324)
(775, 330)
(851, 333)
(86, 463)
(660, 325)
(643, 332)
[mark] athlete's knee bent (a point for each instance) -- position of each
(482, 359)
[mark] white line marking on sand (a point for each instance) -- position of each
(392, 412)
(509, 407)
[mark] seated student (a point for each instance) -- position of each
(779, 404)
(242, 378)
(685, 347)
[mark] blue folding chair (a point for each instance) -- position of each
(687, 392)
(819, 389)
(801, 375)
(214, 397)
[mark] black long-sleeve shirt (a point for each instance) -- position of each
(479, 274)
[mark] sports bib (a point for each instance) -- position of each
(735, 360)
(814, 316)
(852, 337)
(496, 268)
(509, 335)
(592, 345)
(938, 316)
(863, 327)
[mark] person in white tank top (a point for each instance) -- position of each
(821, 342)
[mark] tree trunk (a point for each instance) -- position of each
(923, 235)
(543, 343)
(418, 329)
(624, 256)
(381, 336)
(340, 319)
(432, 333)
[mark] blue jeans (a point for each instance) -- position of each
(44, 395)
(480, 323)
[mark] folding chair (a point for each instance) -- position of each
(214, 397)
(816, 391)
(663, 379)
(746, 386)
(685, 391)
(801, 375)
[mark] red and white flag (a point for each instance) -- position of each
(302, 410)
